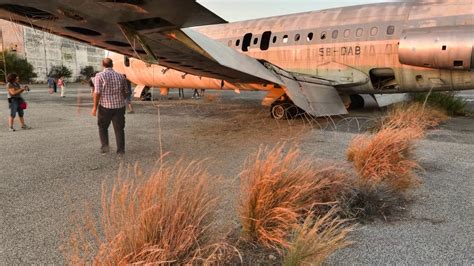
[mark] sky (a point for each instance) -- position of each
(237, 10)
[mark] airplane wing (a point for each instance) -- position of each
(157, 31)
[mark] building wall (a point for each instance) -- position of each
(44, 50)
(12, 35)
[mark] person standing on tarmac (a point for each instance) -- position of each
(62, 85)
(15, 101)
(109, 106)
(128, 101)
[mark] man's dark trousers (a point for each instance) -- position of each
(117, 117)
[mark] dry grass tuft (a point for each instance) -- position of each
(447, 101)
(413, 115)
(211, 97)
(278, 187)
(163, 220)
(316, 239)
(386, 157)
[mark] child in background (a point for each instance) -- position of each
(62, 85)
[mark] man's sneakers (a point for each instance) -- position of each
(11, 129)
(120, 155)
(25, 127)
(104, 150)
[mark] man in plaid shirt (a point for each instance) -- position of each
(109, 105)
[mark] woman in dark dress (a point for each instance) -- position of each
(15, 101)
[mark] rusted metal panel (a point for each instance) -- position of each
(438, 47)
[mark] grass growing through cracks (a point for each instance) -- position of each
(386, 157)
(446, 101)
(413, 116)
(278, 187)
(163, 220)
(316, 239)
(385, 164)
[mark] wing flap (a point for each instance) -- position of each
(316, 96)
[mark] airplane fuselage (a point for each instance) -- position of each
(372, 47)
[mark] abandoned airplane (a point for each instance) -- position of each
(320, 61)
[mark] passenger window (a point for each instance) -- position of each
(237, 43)
(265, 43)
(255, 41)
(285, 39)
(347, 33)
(359, 32)
(229, 43)
(310, 37)
(374, 31)
(275, 38)
(335, 33)
(323, 35)
(297, 37)
(390, 30)
(246, 42)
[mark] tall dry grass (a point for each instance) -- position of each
(386, 157)
(163, 220)
(413, 115)
(446, 101)
(277, 188)
(316, 239)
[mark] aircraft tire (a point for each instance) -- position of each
(357, 102)
(146, 95)
(283, 111)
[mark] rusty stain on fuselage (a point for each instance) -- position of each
(364, 38)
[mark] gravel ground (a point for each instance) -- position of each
(49, 172)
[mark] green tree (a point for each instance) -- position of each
(16, 64)
(60, 71)
(87, 72)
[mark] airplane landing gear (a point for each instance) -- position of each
(284, 110)
(146, 94)
(357, 102)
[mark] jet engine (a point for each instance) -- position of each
(449, 48)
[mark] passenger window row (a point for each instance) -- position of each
(266, 37)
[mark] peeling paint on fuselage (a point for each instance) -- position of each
(362, 37)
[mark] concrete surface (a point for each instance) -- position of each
(47, 173)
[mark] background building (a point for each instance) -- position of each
(44, 50)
